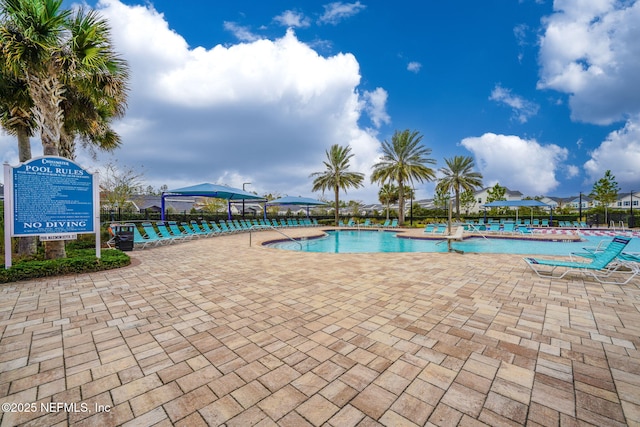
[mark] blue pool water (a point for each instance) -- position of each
(367, 241)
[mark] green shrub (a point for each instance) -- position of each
(77, 261)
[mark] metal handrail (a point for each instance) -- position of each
(477, 230)
(262, 227)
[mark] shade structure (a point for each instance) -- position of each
(294, 201)
(529, 203)
(211, 190)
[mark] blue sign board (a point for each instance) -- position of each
(52, 195)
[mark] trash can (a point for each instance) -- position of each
(124, 236)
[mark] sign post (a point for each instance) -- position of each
(51, 197)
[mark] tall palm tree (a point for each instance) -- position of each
(57, 52)
(404, 160)
(459, 175)
(336, 175)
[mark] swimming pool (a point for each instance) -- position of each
(368, 241)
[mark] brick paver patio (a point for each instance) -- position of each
(214, 332)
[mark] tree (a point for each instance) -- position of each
(119, 185)
(605, 191)
(468, 200)
(336, 175)
(58, 53)
(404, 160)
(16, 119)
(495, 194)
(459, 175)
(441, 198)
(387, 195)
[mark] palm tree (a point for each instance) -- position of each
(459, 175)
(403, 161)
(337, 176)
(16, 119)
(387, 195)
(58, 53)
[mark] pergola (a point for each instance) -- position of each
(210, 190)
(293, 201)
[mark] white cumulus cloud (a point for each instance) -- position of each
(376, 106)
(516, 163)
(336, 12)
(522, 109)
(620, 153)
(261, 111)
(590, 51)
(414, 67)
(292, 19)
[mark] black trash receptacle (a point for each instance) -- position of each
(124, 236)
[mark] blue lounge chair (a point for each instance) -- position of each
(602, 266)
(224, 228)
(440, 228)
(153, 235)
(191, 231)
(508, 228)
(429, 228)
(140, 240)
(394, 223)
(211, 230)
(176, 232)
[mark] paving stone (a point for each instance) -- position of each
(349, 340)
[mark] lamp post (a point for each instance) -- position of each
(580, 208)
(411, 208)
(243, 184)
(631, 221)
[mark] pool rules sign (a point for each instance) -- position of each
(51, 197)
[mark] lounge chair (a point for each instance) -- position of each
(195, 231)
(545, 223)
(367, 223)
(177, 233)
(602, 266)
(508, 228)
(211, 230)
(440, 229)
(394, 223)
(225, 229)
(429, 228)
(387, 223)
(153, 235)
(140, 240)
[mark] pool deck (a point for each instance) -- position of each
(215, 332)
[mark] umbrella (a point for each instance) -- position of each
(297, 201)
(211, 190)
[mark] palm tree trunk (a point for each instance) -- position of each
(27, 246)
(458, 203)
(47, 94)
(400, 203)
(337, 214)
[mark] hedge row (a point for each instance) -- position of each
(77, 261)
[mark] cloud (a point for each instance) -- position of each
(262, 111)
(620, 153)
(414, 67)
(336, 12)
(516, 163)
(376, 106)
(292, 19)
(242, 33)
(590, 51)
(522, 109)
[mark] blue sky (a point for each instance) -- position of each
(543, 95)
